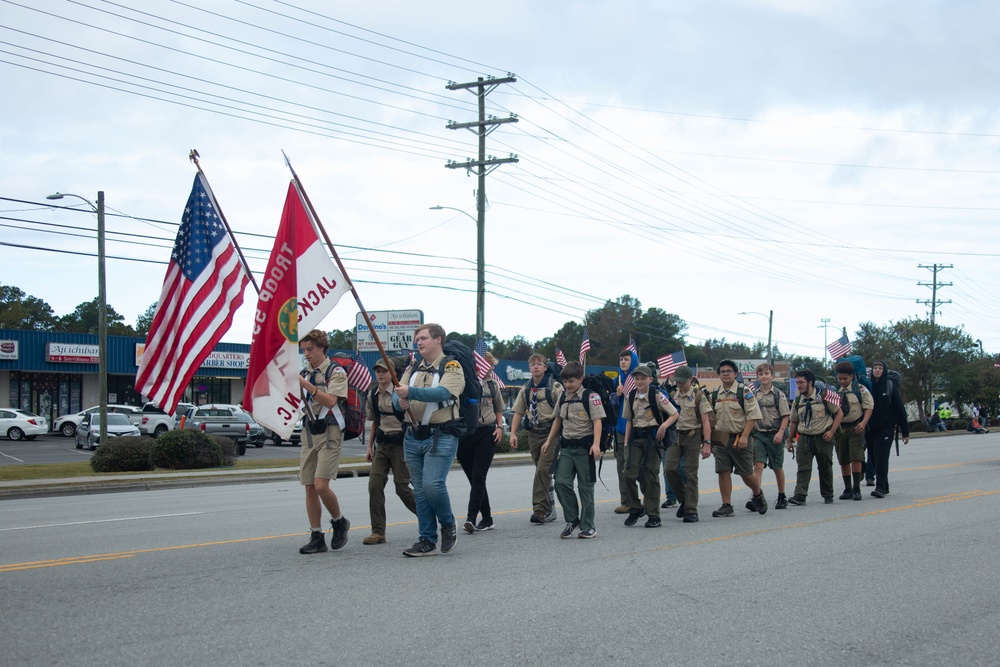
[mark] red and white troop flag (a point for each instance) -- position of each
(669, 363)
(561, 358)
(201, 292)
(358, 375)
(301, 286)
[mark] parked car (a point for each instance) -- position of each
(229, 421)
(21, 424)
(295, 441)
(88, 434)
(67, 424)
(155, 420)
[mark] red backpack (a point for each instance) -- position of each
(353, 407)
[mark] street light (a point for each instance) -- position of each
(480, 268)
(770, 326)
(102, 309)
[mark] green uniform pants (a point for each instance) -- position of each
(576, 462)
(688, 447)
(543, 469)
(626, 487)
(808, 448)
(642, 465)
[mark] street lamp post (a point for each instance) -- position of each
(480, 266)
(102, 310)
(770, 327)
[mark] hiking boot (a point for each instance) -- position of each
(449, 536)
(567, 531)
(828, 500)
(869, 481)
(538, 517)
(691, 517)
(797, 500)
(485, 524)
(847, 494)
(680, 512)
(622, 509)
(551, 516)
(633, 517)
(668, 503)
(340, 529)
(856, 495)
(760, 502)
(877, 493)
(422, 548)
(316, 545)
(587, 534)
(725, 510)
(653, 522)
(374, 538)
(781, 503)
(469, 526)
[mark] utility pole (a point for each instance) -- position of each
(934, 302)
(826, 323)
(481, 167)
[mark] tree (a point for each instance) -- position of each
(144, 321)
(610, 327)
(568, 338)
(20, 311)
(84, 318)
(657, 333)
(342, 339)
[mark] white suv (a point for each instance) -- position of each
(67, 424)
(156, 422)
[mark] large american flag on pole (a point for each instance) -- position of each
(358, 375)
(669, 363)
(584, 346)
(631, 346)
(839, 348)
(201, 292)
(561, 358)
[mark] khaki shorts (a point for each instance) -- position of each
(850, 445)
(730, 459)
(323, 458)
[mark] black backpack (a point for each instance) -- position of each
(654, 407)
(468, 402)
(603, 386)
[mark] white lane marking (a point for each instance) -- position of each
(82, 523)
(11, 457)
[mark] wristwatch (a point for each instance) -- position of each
(706, 442)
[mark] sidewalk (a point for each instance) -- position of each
(147, 481)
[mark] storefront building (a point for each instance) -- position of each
(53, 374)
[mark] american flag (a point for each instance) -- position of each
(839, 348)
(483, 367)
(560, 358)
(668, 363)
(358, 375)
(830, 396)
(629, 383)
(497, 379)
(201, 292)
(584, 346)
(631, 346)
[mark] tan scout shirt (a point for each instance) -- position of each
(730, 417)
(317, 376)
(811, 415)
(849, 404)
(423, 377)
(576, 423)
(770, 412)
(690, 418)
(490, 404)
(546, 413)
(387, 422)
(643, 417)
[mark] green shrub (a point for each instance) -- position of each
(958, 425)
(185, 450)
(917, 426)
(127, 454)
(228, 447)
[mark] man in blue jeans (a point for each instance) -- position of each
(430, 391)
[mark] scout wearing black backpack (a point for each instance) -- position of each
(648, 414)
(693, 443)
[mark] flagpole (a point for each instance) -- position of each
(193, 156)
(343, 271)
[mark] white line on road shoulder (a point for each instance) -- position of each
(11, 457)
(81, 523)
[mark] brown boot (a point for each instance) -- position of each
(622, 509)
(374, 538)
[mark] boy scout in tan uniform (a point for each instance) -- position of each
(768, 436)
(815, 419)
(851, 435)
(385, 452)
(736, 413)
(643, 439)
(694, 443)
(532, 409)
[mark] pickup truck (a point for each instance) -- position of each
(156, 422)
(226, 420)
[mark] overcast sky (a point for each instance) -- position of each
(706, 158)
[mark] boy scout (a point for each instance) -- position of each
(385, 452)
(578, 422)
(627, 361)
(856, 402)
(644, 435)
(815, 419)
(769, 435)
(693, 443)
(535, 406)
(476, 451)
(431, 389)
(319, 459)
(736, 413)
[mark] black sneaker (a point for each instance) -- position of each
(567, 531)
(760, 503)
(856, 495)
(668, 503)
(422, 548)
(691, 517)
(877, 493)
(449, 536)
(469, 526)
(587, 534)
(316, 545)
(680, 512)
(751, 505)
(797, 500)
(847, 494)
(828, 501)
(653, 522)
(633, 517)
(869, 481)
(340, 530)
(781, 503)
(725, 510)
(485, 524)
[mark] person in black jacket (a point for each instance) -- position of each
(887, 415)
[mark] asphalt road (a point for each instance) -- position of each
(212, 575)
(53, 448)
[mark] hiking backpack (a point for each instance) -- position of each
(654, 407)
(468, 401)
(603, 386)
(351, 408)
(860, 370)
